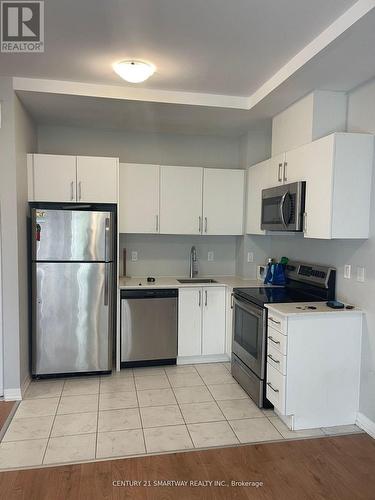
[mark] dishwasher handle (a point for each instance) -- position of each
(154, 293)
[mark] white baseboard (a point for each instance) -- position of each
(17, 394)
(366, 424)
(12, 394)
(217, 358)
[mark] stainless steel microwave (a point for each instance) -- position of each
(283, 207)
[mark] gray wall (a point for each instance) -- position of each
(167, 149)
(168, 255)
(164, 254)
(255, 146)
(361, 118)
(13, 199)
(25, 141)
(8, 200)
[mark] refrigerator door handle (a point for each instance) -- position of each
(106, 240)
(106, 284)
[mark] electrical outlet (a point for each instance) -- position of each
(210, 256)
(250, 256)
(347, 271)
(134, 256)
(360, 274)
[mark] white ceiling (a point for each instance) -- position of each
(344, 64)
(256, 36)
(209, 46)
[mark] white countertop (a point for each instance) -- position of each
(296, 308)
(171, 282)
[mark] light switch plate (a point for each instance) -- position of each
(134, 256)
(360, 274)
(347, 271)
(250, 256)
(210, 256)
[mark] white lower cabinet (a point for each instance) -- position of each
(313, 368)
(201, 321)
(190, 322)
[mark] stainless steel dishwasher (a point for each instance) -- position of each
(148, 327)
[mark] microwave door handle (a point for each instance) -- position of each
(281, 207)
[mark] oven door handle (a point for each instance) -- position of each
(253, 309)
(281, 208)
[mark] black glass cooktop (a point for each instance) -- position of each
(277, 295)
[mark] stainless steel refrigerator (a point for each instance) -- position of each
(73, 296)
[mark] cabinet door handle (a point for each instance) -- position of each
(157, 223)
(279, 176)
(79, 190)
(205, 224)
(305, 222)
(199, 224)
(231, 300)
(205, 298)
(273, 359)
(270, 386)
(273, 340)
(285, 171)
(72, 190)
(200, 298)
(274, 321)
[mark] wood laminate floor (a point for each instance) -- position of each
(337, 468)
(5, 409)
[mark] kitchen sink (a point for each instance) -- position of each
(196, 280)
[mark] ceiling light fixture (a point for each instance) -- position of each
(134, 71)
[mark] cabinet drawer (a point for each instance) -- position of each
(276, 359)
(277, 340)
(276, 388)
(277, 321)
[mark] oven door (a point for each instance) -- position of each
(283, 207)
(249, 335)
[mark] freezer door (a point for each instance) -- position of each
(72, 318)
(79, 235)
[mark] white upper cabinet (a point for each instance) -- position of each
(139, 198)
(338, 170)
(181, 200)
(285, 168)
(52, 178)
(60, 178)
(223, 201)
(276, 170)
(97, 179)
(294, 168)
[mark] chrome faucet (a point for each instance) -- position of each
(193, 262)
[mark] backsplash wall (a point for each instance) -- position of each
(169, 255)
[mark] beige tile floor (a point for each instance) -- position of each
(138, 411)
